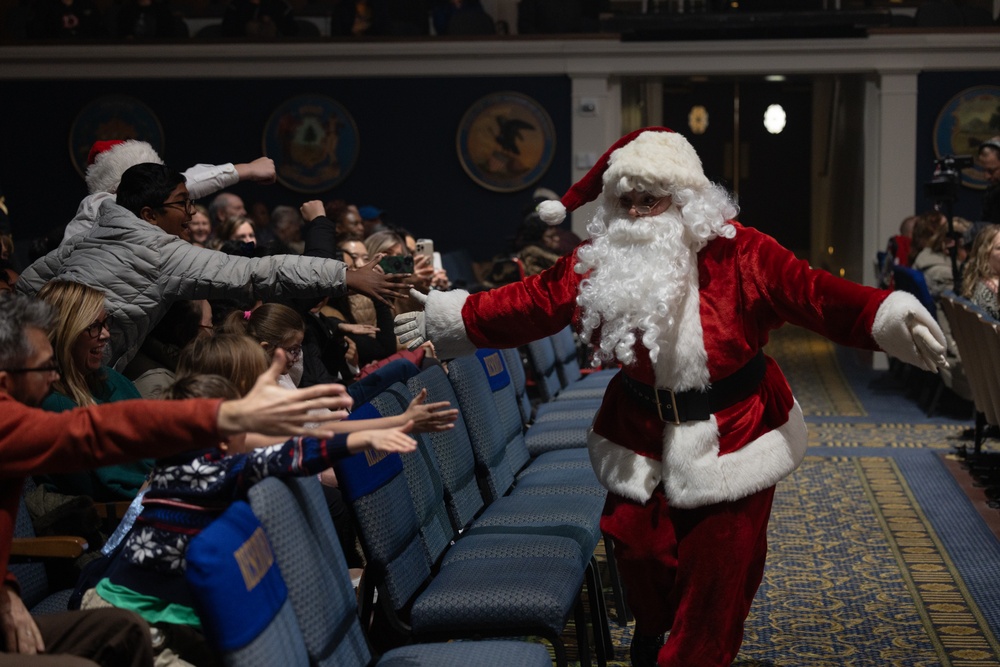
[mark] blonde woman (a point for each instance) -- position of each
(237, 228)
(981, 279)
(80, 340)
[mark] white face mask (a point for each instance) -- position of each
(295, 372)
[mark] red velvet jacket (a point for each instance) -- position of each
(33, 441)
(746, 287)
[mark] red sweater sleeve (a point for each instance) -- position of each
(34, 441)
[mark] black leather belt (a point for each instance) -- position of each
(693, 405)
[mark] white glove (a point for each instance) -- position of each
(929, 348)
(409, 327)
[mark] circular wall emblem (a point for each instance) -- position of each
(313, 141)
(506, 141)
(112, 117)
(967, 120)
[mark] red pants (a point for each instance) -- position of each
(691, 572)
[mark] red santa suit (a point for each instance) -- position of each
(689, 499)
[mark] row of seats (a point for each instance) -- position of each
(469, 537)
(977, 336)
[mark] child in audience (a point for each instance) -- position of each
(273, 325)
(187, 492)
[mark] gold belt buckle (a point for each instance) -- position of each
(673, 405)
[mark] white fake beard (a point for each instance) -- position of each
(641, 273)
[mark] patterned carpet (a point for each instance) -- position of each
(875, 560)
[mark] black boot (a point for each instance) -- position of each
(644, 650)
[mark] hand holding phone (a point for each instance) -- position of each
(424, 247)
(397, 264)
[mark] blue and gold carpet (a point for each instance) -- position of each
(876, 557)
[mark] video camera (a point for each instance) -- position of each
(943, 186)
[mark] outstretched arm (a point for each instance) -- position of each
(458, 323)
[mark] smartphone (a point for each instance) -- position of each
(425, 247)
(397, 264)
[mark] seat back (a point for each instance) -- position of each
(519, 381)
(567, 359)
(544, 367)
(241, 596)
(489, 406)
(420, 470)
(913, 281)
(966, 324)
(374, 485)
(32, 578)
(456, 463)
(319, 585)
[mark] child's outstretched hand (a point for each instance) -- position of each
(384, 440)
(430, 417)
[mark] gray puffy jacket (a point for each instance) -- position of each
(142, 270)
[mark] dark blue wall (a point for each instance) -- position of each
(934, 91)
(408, 163)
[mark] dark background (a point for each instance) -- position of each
(408, 163)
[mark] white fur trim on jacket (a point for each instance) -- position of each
(444, 325)
(891, 327)
(692, 472)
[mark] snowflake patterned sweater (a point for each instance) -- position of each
(186, 493)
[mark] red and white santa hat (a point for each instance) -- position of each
(652, 154)
(108, 160)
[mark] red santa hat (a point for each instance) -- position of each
(108, 160)
(653, 155)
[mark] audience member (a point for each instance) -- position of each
(225, 205)
(371, 219)
(65, 19)
(536, 245)
(154, 366)
(558, 16)
(989, 162)
(286, 223)
(261, 217)
(273, 326)
(897, 252)
(80, 338)
(934, 260)
(200, 228)
(187, 492)
(346, 218)
(237, 228)
(258, 18)
(462, 17)
(33, 442)
(8, 276)
(136, 249)
(148, 19)
(981, 279)
(924, 228)
(108, 160)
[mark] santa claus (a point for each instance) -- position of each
(700, 424)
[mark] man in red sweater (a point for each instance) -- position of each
(34, 442)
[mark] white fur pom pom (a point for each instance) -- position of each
(552, 211)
